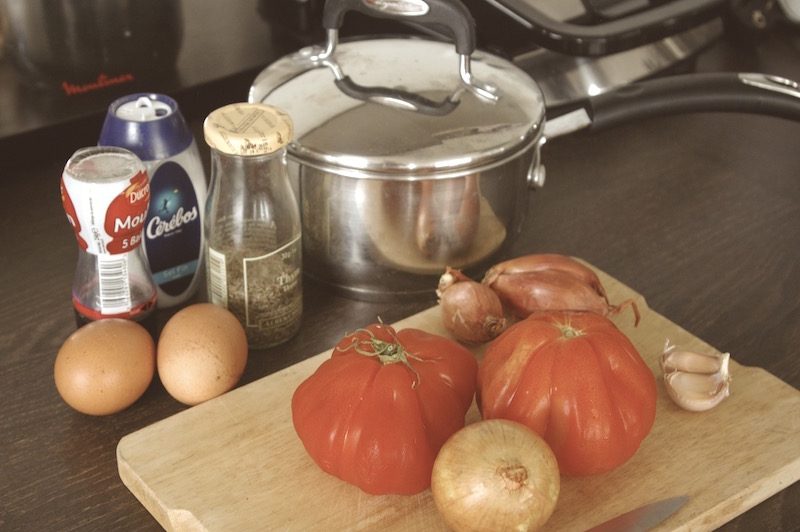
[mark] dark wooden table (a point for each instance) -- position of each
(700, 214)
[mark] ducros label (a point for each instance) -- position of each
(107, 218)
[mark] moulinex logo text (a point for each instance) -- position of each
(102, 81)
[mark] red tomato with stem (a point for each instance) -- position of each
(376, 413)
(576, 380)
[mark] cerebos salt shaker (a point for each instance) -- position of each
(253, 250)
(151, 126)
(105, 193)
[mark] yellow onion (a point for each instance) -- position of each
(495, 475)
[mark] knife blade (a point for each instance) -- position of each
(644, 517)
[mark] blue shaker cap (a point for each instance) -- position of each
(148, 124)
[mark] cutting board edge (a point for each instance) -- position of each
(716, 516)
(137, 486)
(171, 519)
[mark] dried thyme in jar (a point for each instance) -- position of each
(253, 246)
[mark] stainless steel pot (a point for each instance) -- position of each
(409, 157)
(409, 168)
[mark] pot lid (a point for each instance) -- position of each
(398, 107)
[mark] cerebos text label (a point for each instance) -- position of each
(173, 232)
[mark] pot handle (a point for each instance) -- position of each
(448, 16)
(690, 93)
(397, 98)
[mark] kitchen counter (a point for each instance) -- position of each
(699, 213)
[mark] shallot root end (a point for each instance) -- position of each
(613, 310)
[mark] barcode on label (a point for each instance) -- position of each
(115, 292)
(217, 278)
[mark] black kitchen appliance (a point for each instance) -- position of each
(568, 67)
(573, 48)
(580, 48)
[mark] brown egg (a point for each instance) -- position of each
(202, 353)
(105, 366)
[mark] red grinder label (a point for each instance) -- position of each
(72, 216)
(107, 217)
(126, 214)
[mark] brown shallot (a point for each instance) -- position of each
(551, 282)
(471, 311)
(538, 262)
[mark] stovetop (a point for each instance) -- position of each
(218, 42)
(221, 46)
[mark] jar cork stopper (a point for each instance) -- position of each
(247, 129)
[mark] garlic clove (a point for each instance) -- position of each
(695, 381)
(688, 361)
(699, 392)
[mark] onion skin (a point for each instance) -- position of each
(538, 262)
(525, 293)
(495, 475)
(471, 311)
(531, 286)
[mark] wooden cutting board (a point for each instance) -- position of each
(235, 463)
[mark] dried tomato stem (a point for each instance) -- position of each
(568, 331)
(387, 352)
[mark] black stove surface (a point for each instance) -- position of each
(206, 55)
(216, 41)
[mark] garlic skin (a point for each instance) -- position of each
(695, 381)
(674, 359)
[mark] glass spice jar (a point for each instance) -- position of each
(252, 225)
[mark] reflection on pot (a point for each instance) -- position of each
(376, 238)
(420, 227)
(447, 216)
(78, 46)
(2, 33)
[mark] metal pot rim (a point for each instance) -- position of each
(364, 128)
(409, 174)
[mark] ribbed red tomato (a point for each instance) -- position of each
(576, 380)
(376, 413)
